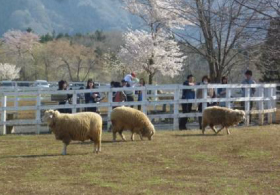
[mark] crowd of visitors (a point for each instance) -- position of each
(125, 94)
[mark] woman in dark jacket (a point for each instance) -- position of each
(92, 97)
(62, 85)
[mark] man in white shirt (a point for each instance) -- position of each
(131, 79)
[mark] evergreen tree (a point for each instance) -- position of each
(270, 59)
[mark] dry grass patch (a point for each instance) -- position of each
(175, 162)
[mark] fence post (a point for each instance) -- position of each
(16, 100)
(110, 100)
(247, 105)
(270, 104)
(74, 102)
(204, 97)
(145, 101)
(260, 105)
(228, 95)
(155, 98)
(176, 108)
(4, 112)
(38, 111)
(274, 104)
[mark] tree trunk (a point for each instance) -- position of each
(151, 76)
(215, 75)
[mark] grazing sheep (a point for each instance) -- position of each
(126, 118)
(79, 127)
(221, 116)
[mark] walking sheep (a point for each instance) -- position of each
(126, 118)
(79, 127)
(225, 117)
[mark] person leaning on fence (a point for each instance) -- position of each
(62, 85)
(222, 92)
(119, 96)
(248, 80)
(92, 97)
(139, 93)
(187, 107)
(129, 93)
(131, 79)
(210, 94)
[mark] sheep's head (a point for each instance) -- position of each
(148, 131)
(49, 116)
(240, 115)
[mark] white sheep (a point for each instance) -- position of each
(79, 127)
(225, 117)
(126, 118)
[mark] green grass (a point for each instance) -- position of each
(175, 162)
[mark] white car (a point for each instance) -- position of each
(41, 84)
(7, 84)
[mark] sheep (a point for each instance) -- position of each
(126, 118)
(225, 117)
(79, 127)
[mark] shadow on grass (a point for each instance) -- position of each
(197, 135)
(41, 156)
(103, 142)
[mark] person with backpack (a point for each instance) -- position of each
(119, 96)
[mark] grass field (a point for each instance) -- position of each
(175, 162)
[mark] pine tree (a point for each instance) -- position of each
(270, 58)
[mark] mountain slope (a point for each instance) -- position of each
(67, 16)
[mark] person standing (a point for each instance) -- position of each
(62, 85)
(140, 95)
(131, 79)
(248, 80)
(128, 93)
(187, 107)
(210, 94)
(91, 97)
(223, 91)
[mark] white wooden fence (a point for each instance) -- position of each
(265, 98)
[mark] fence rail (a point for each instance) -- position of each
(265, 98)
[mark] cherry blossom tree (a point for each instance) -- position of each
(9, 71)
(144, 51)
(153, 49)
(21, 45)
(20, 42)
(219, 30)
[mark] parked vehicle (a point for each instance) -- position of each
(41, 84)
(76, 86)
(7, 84)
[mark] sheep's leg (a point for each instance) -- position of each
(95, 148)
(99, 146)
(203, 128)
(220, 130)
(141, 137)
(64, 149)
(114, 136)
(213, 128)
(132, 136)
(122, 135)
(98, 142)
(114, 130)
(228, 132)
